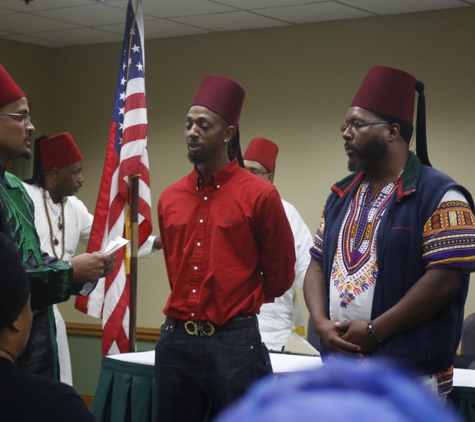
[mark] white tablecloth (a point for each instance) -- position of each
(282, 362)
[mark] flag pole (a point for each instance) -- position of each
(134, 214)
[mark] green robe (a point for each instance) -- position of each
(51, 280)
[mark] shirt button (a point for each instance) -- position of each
(217, 187)
(205, 198)
(193, 291)
(195, 268)
(192, 314)
(198, 244)
(201, 220)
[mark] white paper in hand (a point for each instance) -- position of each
(116, 244)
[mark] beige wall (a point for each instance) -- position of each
(299, 82)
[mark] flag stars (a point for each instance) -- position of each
(121, 110)
(123, 81)
(136, 49)
(139, 66)
(122, 96)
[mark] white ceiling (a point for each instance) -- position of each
(57, 23)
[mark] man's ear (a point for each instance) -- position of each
(271, 177)
(229, 133)
(55, 171)
(15, 325)
(394, 131)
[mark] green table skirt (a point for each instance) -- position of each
(463, 401)
(125, 392)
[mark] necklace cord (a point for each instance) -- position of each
(61, 226)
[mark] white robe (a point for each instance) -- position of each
(278, 319)
(78, 224)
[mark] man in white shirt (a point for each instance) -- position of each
(278, 320)
(61, 219)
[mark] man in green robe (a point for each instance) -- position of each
(51, 281)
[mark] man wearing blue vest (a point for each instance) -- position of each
(396, 243)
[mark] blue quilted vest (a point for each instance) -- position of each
(430, 346)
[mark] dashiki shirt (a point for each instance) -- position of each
(355, 268)
(355, 264)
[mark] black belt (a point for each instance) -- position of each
(207, 329)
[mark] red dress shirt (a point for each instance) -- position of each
(228, 245)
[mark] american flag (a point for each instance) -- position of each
(126, 156)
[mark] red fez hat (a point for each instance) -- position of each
(221, 95)
(392, 91)
(59, 151)
(388, 90)
(264, 152)
(9, 90)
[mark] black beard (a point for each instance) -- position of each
(369, 155)
(197, 158)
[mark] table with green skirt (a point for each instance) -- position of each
(126, 386)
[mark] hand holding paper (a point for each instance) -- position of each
(115, 245)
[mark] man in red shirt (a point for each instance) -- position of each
(228, 249)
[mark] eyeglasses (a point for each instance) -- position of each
(25, 117)
(257, 172)
(358, 125)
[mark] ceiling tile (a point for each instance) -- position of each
(264, 4)
(164, 28)
(158, 28)
(82, 36)
(35, 40)
(177, 8)
(314, 12)
(91, 15)
(170, 18)
(5, 11)
(230, 21)
(24, 23)
(34, 5)
(387, 7)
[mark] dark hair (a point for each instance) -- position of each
(406, 129)
(37, 176)
(234, 148)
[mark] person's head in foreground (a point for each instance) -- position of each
(15, 312)
(27, 397)
(340, 391)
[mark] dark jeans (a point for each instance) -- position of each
(192, 371)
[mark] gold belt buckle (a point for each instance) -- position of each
(192, 328)
(205, 329)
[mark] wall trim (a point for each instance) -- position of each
(95, 330)
(88, 400)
